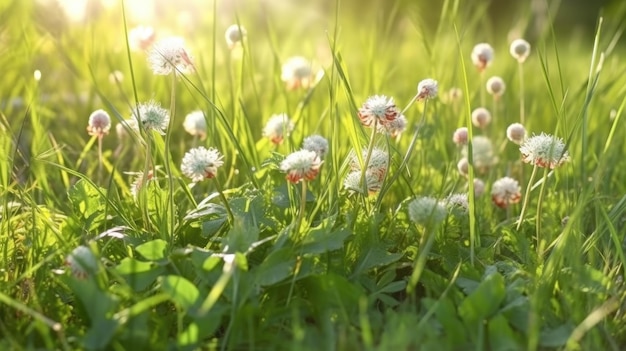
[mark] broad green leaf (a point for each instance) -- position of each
(277, 266)
(447, 315)
(241, 236)
(153, 250)
(87, 203)
(180, 290)
(556, 337)
(500, 335)
(98, 304)
(138, 274)
(100, 334)
(322, 239)
(484, 301)
(375, 257)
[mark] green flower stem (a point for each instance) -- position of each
(218, 186)
(540, 242)
(302, 207)
(526, 196)
(367, 159)
(426, 242)
(521, 92)
(170, 179)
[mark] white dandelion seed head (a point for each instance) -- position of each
(302, 164)
(516, 133)
(482, 153)
(378, 109)
(479, 187)
(427, 211)
(352, 182)
(297, 72)
(82, 262)
(317, 144)
(520, 49)
(234, 34)
(427, 89)
(170, 55)
(544, 150)
(195, 124)
(481, 117)
(141, 37)
(99, 123)
(152, 117)
(277, 128)
(393, 128)
(201, 163)
(496, 86)
(457, 201)
(482, 56)
(505, 191)
(460, 136)
(463, 166)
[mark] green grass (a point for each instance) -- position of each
(339, 271)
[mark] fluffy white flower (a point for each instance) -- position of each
(505, 191)
(481, 117)
(482, 55)
(277, 128)
(520, 49)
(317, 144)
(460, 136)
(544, 151)
(302, 164)
(395, 127)
(482, 153)
(427, 89)
(297, 72)
(378, 109)
(99, 123)
(353, 182)
(479, 187)
(427, 211)
(378, 162)
(82, 262)
(195, 124)
(458, 202)
(141, 37)
(234, 35)
(152, 117)
(170, 55)
(516, 133)
(496, 86)
(201, 163)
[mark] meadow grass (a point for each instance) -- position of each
(248, 260)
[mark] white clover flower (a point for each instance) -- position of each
(460, 136)
(496, 86)
(481, 117)
(427, 89)
(463, 166)
(195, 124)
(201, 163)
(482, 155)
(516, 133)
(482, 55)
(278, 127)
(234, 35)
(302, 164)
(426, 210)
(99, 123)
(455, 94)
(317, 144)
(393, 128)
(170, 55)
(378, 109)
(82, 262)
(378, 162)
(479, 187)
(353, 182)
(458, 201)
(505, 191)
(152, 117)
(520, 49)
(141, 37)
(297, 72)
(544, 151)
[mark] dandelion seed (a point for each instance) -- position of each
(195, 124)
(520, 49)
(152, 117)
(297, 72)
(378, 109)
(99, 123)
(234, 35)
(140, 38)
(302, 164)
(481, 117)
(544, 151)
(505, 191)
(378, 162)
(427, 89)
(317, 144)
(353, 182)
(482, 55)
(460, 136)
(516, 133)
(170, 55)
(82, 262)
(427, 211)
(201, 163)
(496, 86)
(277, 128)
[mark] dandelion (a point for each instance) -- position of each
(482, 153)
(141, 37)
(353, 182)
(544, 151)
(377, 165)
(317, 144)
(427, 89)
(152, 117)
(277, 128)
(99, 123)
(460, 136)
(302, 164)
(496, 86)
(170, 55)
(482, 55)
(201, 163)
(394, 128)
(82, 262)
(427, 211)
(297, 72)
(195, 124)
(481, 117)
(505, 191)
(520, 49)
(516, 133)
(234, 35)
(378, 109)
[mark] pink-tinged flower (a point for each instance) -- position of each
(234, 35)
(201, 163)
(378, 109)
(152, 117)
(496, 86)
(427, 89)
(463, 166)
(505, 191)
(544, 151)
(137, 183)
(516, 133)
(82, 262)
(297, 72)
(352, 183)
(393, 128)
(520, 49)
(302, 164)
(482, 55)
(170, 55)
(141, 37)
(99, 123)
(460, 136)
(278, 127)
(317, 144)
(378, 162)
(195, 124)
(481, 117)
(479, 187)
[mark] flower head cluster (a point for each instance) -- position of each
(170, 55)
(234, 35)
(353, 182)
(427, 89)
(297, 72)
(302, 164)
(481, 117)
(482, 153)
(505, 191)
(460, 136)
(544, 151)
(99, 123)
(141, 37)
(427, 211)
(317, 144)
(516, 133)
(482, 55)
(520, 49)
(393, 128)
(201, 163)
(378, 162)
(479, 187)
(195, 124)
(496, 86)
(152, 117)
(378, 109)
(277, 128)
(458, 202)
(82, 262)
